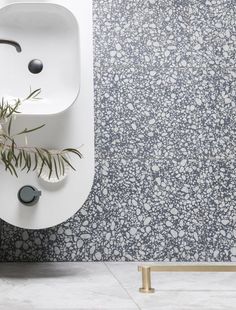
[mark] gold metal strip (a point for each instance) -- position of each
(146, 271)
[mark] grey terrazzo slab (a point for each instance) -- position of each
(164, 188)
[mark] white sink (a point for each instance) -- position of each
(60, 34)
(47, 32)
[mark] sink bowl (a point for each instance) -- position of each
(46, 32)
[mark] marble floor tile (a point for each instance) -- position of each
(58, 286)
(113, 286)
(179, 291)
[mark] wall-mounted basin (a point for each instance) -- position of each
(39, 48)
(59, 35)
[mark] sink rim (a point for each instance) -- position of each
(52, 3)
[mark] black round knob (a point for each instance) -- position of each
(28, 195)
(35, 66)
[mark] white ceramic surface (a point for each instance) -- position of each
(73, 127)
(48, 32)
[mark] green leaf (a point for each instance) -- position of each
(75, 151)
(41, 169)
(9, 126)
(25, 131)
(33, 94)
(55, 167)
(36, 161)
(68, 163)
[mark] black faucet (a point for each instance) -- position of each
(13, 43)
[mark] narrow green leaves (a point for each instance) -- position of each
(18, 158)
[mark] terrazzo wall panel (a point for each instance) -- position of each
(165, 116)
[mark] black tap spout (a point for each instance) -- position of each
(13, 43)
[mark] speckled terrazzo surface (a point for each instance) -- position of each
(165, 115)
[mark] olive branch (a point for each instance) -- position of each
(16, 157)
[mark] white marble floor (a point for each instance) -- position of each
(110, 286)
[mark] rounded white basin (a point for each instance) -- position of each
(46, 32)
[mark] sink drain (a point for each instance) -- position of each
(35, 66)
